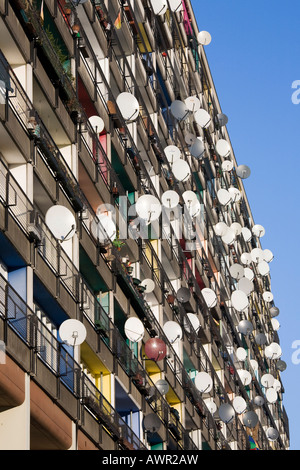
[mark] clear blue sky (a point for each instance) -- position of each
(254, 58)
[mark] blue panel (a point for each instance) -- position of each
(9, 255)
(18, 280)
(47, 303)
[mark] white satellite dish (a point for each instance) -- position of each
(249, 274)
(190, 138)
(170, 199)
(210, 297)
(245, 327)
(224, 197)
(192, 203)
(162, 386)
(244, 376)
(149, 285)
(172, 153)
(97, 123)
(236, 227)
(243, 171)
(236, 271)
(260, 339)
(235, 194)
(259, 400)
(273, 351)
(179, 110)
(221, 229)
(276, 385)
(258, 231)
(257, 255)
(60, 222)
(263, 268)
(247, 234)
(159, 6)
(239, 404)
(274, 311)
(223, 148)
(203, 382)
(229, 236)
(128, 106)
(197, 149)
(250, 419)
(181, 170)
(172, 331)
(246, 259)
(267, 380)
(134, 329)
(175, 5)
(227, 165)
(204, 38)
(106, 229)
(211, 406)
(245, 285)
(268, 296)
(148, 208)
(193, 320)
(72, 332)
(272, 434)
(222, 119)
(271, 395)
(239, 300)
(241, 354)
(275, 324)
(202, 118)
(254, 364)
(193, 103)
(226, 413)
(268, 256)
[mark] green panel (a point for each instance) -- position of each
(158, 446)
(120, 170)
(90, 273)
(205, 446)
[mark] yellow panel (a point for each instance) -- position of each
(145, 40)
(92, 361)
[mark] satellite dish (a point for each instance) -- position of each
(192, 203)
(162, 386)
(241, 354)
(149, 285)
(193, 103)
(128, 106)
(259, 400)
(276, 385)
(221, 229)
(224, 197)
(249, 274)
(271, 395)
(222, 119)
(183, 294)
(274, 311)
(267, 380)
(268, 256)
(257, 255)
(226, 413)
(197, 149)
(204, 38)
(250, 419)
(254, 364)
(172, 331)
(235, 194)
(281, 366)
(239, 300)
(236, 271)
(227, 165)
(272, 434)
(193, 320)
(175, 5)
(247, 234)
(268, 296)
(263, 268)
(223, 148)
(260, 339)
(181, 170)
(273, 351)
(239, 404)
(148, 208)
(229, 236)
(179, 110)
(61, 222)
(155, 349)
(190, 138)
(245, 327)
(97, 124)
(170, 199)
(134, 329)
(72, 332)
(106, 229)
(159, 6)
(243, 171)
(203, 382)
(210, 297)
(244, 376)
(245, 285)
(211, 406)
(246, 259)
(151, 421)
(258, 231)
(202, 118)
(172, 153)
(275, 324)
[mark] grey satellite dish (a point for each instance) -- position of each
(236, 271)
(257, 255)
(221, 229)
(61, 222)
(227, 165)
(224, 197)
(235, 194)
(259, 400)
(273, 351)
(204, 38)
(281, 366)
(241, 354)
(239, 404)
(173, 331)
(258, 231)
(239, 300)
(97, 123)
(159, 6)
(172, 153)
(246, 259)
(193, 321)
(243, 171)
(181, 170)
(245, 285)
(148, 208)
(193, 103)
(223, 148)
(222, 119)
(245, 327)
(179, 110)
(211, 406)
(162, 386)
(203, 382)
(249, 274)
(271, 395)
(247, 234)
(72, 332)
(272, 434)
(275, 324)
(175, 5)
(190, 138)
(197, 149)
(268, 296)
(170, 199)
(268, 256)
(152, 422)
(244, 376)
(263, 268)
(128, 106)
(149, 285)
(134, 329)
(226, 413)
(274, 311)
(210, 297)
(267, 380)
(183, 294)
(202, 118)
(250, 419)
(229, 236)
(260, 339)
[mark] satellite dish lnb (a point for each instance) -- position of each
(72, 332)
